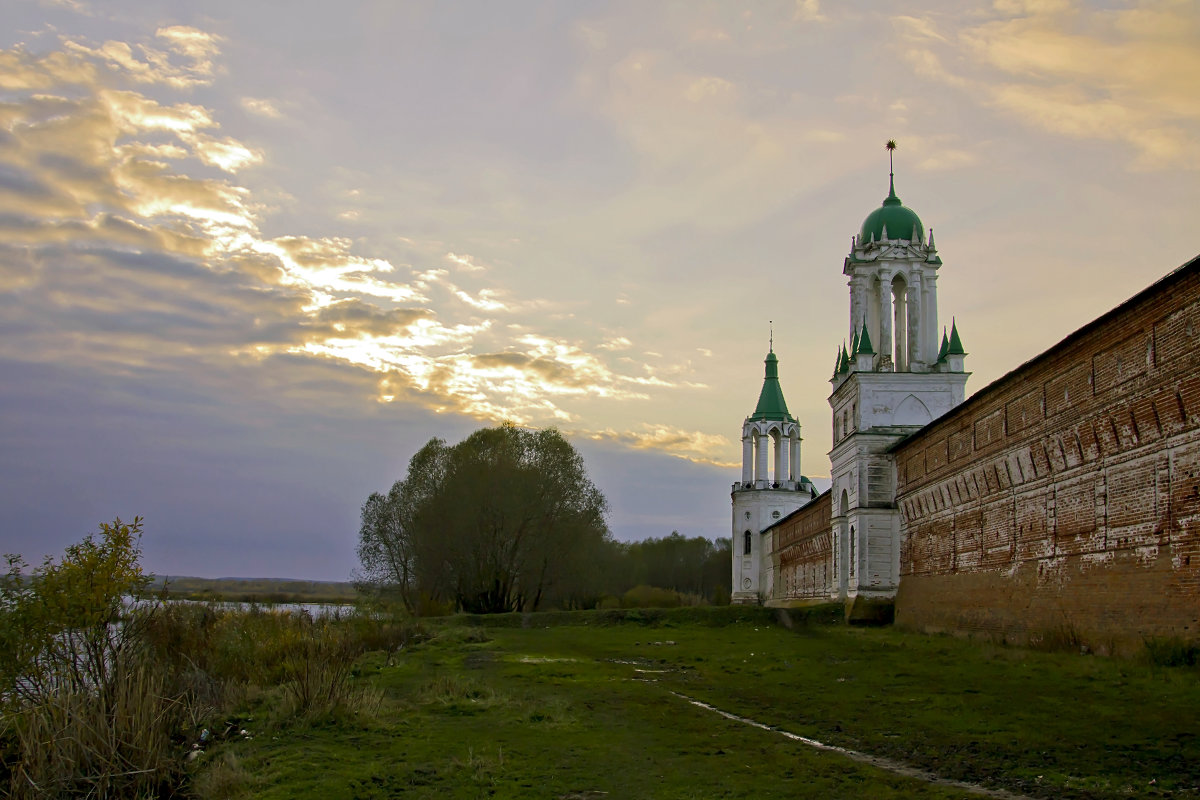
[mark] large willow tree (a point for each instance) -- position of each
(501, 521)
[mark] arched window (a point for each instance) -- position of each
(746, 540)
(852, 560)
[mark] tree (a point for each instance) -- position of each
(498, 522)
(690, 565)
(387, 538)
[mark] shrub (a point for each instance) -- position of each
(87, 711)
(1064, 638)
(318, 667)
(1172, 651)
(650, 597)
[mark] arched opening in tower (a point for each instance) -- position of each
(900, 322)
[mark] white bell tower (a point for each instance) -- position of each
(771, 486)
(891, 380)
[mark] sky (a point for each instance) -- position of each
(251, 259)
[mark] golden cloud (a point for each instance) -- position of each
(261, 107)
(127, 260)
(695, 446)
(1127, 75)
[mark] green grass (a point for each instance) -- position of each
(576, 709)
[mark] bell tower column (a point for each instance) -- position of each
(931, 318)
(747, 457)
(884, 346)
(916, 354)
(858, 303)
(764, 448)
(795, 454)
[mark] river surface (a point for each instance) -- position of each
(312, 609)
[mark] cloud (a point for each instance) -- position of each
(1125, 75)
(128, 247)
(1070, 113)
(201, 47)
(146, 64)
(713, 152)
(465, 262)
(262, 107)
(809, 11)
(707, 87)
(483, 301)
(616, 343)
(695, 446)
(21, 70)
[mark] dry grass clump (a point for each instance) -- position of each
(112, 741)
(224, 779)
(460, 694)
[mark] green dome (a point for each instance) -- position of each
(901, 222)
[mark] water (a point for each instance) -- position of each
(314, 610)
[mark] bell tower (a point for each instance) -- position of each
(771, 486)
(889, 381)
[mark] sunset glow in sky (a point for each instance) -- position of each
(251, 260)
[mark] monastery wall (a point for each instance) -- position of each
(802, 554)
(1064, 499)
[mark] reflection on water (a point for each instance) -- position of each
(314, 610)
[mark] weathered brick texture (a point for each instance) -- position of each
(1064, 499)
(803, 552)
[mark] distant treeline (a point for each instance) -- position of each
(253, 590)
(657, 572)
(696, 569)
(664, 572)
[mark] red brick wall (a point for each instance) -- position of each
(803, 552)
(1064, 499)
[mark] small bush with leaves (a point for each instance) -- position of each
(85, 711)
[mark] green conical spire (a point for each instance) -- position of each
(854, 345)
(771, 404)
(844, 367)
(837, 362)
(956, 348)
(892, 199)
(945, 347)
(864, 342)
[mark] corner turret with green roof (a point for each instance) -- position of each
(955, 348)
(771, 404)
(864, 342)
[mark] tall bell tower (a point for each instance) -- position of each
(890, 380)
(771, 486)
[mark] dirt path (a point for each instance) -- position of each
(864, 758)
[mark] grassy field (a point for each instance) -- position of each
(585, 709)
